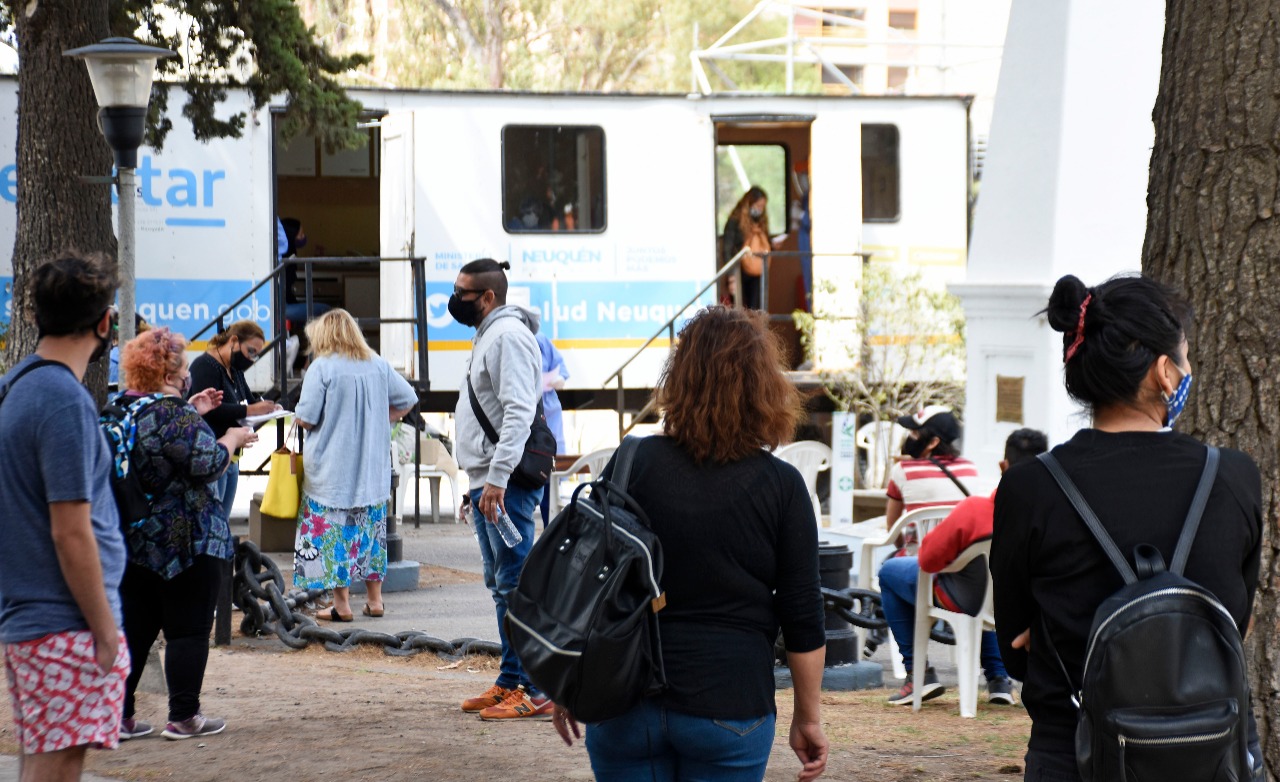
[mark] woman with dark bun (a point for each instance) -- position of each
(1126, 360)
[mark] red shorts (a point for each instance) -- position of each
(60, 698)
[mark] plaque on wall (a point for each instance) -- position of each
(1009, 399)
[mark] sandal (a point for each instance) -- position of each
(370, 611)
(332, 615)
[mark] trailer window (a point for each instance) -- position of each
(881, 174)
(553, 179)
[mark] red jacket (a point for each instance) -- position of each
(968, 523)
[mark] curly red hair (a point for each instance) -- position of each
(722, 392)
(148, 359)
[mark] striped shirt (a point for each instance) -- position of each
(918, 483)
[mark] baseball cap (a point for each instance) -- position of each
(937, 419)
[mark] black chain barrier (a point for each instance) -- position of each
(259, 592)
(861, 608)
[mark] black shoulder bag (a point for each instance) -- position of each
(539, 457)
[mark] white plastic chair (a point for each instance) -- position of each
(881, 440)
(810, 457)
(968, 630)
(868, 571)
(436, 466)
(592, 463)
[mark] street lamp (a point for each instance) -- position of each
(121, 70)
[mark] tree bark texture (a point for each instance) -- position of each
(1213, 231)
(58, 142)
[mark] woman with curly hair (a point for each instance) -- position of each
(349, 399)
(748, 228)
(740, 546)
(174, 571)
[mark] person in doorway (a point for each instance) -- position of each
(963, 592)
(505, 375)
(176, 554)
(1127, 360)
(221, 367)
(295, 307)
(554, 373)
(349, 400)
(63, 558)
(740, 546)
(747, 228)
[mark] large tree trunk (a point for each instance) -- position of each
(1212, 231)
(58, 142)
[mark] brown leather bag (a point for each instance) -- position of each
(757, 244)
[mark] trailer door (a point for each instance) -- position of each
(835, 204)
(396, 237)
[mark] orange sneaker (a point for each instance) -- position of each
(491, 697)
(518, 705)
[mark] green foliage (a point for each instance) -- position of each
(263, 46)
(911, 350)
(550, 45)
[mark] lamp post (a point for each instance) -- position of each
(121, 70)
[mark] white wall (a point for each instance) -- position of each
(1063, 193)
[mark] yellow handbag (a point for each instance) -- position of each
(284, 485)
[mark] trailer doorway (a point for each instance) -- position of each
(770, 152)
(334, 197)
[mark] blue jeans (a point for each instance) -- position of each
(502, 567)
(225, 488)
(653, 744)
(898, 579)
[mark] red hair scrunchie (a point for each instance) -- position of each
(1079, 338)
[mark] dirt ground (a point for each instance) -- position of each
(362, 715)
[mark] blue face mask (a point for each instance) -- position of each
(1176, 402)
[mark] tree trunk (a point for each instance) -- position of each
(58, 141)
(1213, 232)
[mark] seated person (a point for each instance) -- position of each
(964, 591)
(932, 474)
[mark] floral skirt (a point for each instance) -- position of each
(336, 546)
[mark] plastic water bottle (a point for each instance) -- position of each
(506, 528)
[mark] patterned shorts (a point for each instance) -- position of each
(60, 698)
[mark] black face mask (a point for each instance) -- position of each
(240, 362)
(104, 346)
(914, 446)
(465, 312)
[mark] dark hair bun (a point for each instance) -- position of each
(1063, 311)
(505, 265)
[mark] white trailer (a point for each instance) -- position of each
(453, 177)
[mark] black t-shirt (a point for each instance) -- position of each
(740, 547)
(206, 372)
(1045, 561)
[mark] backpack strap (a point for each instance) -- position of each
(1089, 517)
(44, 362)
(625, 458)
(1198, 503)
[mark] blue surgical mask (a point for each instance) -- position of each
(1176, 402)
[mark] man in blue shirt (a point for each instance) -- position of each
(554, 373)
(64, 555)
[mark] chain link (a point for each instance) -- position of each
(259, 592)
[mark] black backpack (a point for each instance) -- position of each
(583, 619)
(119, 425)
(1164, 694)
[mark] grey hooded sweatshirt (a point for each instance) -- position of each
(506, 371)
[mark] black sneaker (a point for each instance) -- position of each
(1000, 691)
(929, 691)
(194, 727)
(132, 729)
